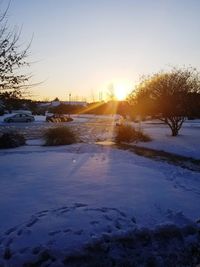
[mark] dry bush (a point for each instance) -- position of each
(11, 139)
(59, 136)
(128, 134)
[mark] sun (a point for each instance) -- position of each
(121, 91)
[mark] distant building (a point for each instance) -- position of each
(75, 103)
(44, 104)
(55, 103)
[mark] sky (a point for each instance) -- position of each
(83, 46)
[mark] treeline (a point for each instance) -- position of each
(98, 108)
(10, 101)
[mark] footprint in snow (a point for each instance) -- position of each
(54, 233)
(107, 217)
(11, 230)
(79, 224)
(32, 222)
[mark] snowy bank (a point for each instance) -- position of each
(187, 143)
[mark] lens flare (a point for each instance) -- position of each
(121, 91)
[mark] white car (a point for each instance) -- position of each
(20, 117)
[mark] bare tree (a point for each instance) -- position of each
(12, 59)
(168, 96)
(111, 92)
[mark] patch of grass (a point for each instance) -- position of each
(143, 236)
(59, 136)
(159, 155)
(11, 139)
(128, 134)
(168, 232)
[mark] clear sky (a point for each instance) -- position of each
(81, 46)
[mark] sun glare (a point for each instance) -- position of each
(121, 91)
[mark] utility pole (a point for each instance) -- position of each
(70, 97)
(69, 103)
(100, 96)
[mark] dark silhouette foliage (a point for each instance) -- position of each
(11, 139)
(66, 109)
(12, 60)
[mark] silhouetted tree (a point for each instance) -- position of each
(124, 108)
(12, 59)
(11, 100)
(111, 92)
(169, 96)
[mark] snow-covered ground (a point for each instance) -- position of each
(187, 143)
(77, 118)
(34, 178)
(92, 128)
(63, 197)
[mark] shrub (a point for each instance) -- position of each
(11, 139)
(59, 136)
(168, 232)
(127, 133)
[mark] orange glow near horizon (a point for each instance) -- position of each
(122, 90)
